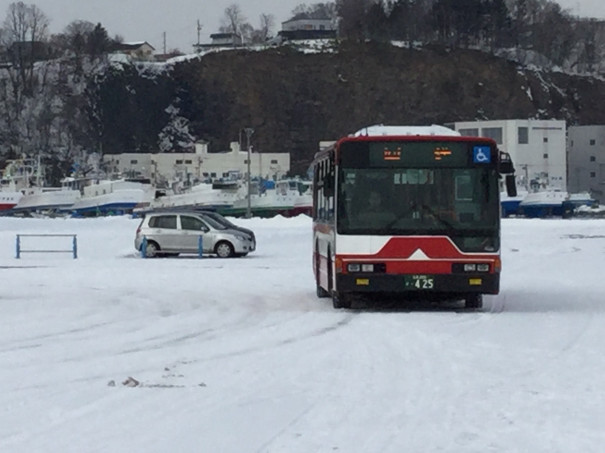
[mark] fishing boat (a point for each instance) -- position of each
(113, 197)
(510, 205)
(553, 203)
(544, 203)
(16, 177)
(219, 195)
(575, 201)
(287, 197)
(46, 200)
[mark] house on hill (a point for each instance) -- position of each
(142, 51)
(221, 40)
(308, 26)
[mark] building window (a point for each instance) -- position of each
(523, 133)
(273, 161)
(213, 175)
(246, 161)
(188, 161)
(545, 155)
(545, 139)
(134, 161)
(179, 162)
(495, 133)
(205, 174)
(469, 132)
(593, 142)
(593, 174)
(593, 158)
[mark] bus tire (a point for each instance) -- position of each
(341, 301)
(473, 301)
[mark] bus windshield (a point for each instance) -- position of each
(461, 203)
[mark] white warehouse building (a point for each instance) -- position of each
(198, 166)
(587, 159)
(537, 148)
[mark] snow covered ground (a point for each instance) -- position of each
(240, 356)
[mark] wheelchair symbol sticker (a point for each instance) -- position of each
(482, 155)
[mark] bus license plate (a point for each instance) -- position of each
(419, 282)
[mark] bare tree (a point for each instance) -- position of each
(267, 22)
(25, 35)
(317, 10)
(233, 19)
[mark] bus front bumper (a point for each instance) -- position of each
(419, 284)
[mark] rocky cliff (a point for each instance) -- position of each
(294, 99)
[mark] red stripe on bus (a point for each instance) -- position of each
(432, 247)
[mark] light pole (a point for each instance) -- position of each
(249, 131)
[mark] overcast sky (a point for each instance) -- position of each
(148, 20)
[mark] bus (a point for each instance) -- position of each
(412, 212)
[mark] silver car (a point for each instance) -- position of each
(171, 233)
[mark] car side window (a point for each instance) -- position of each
(192, 223)
(163, 221)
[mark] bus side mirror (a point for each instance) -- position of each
(511, 185)
(505, 164)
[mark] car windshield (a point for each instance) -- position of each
(213, 223)
(219, 218)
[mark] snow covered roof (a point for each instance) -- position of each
(380, 129)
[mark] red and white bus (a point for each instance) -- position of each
(409, 211)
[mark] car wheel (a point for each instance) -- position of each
(224, 249)
(152, 250)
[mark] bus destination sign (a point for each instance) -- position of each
(422, 153)
(392, 154)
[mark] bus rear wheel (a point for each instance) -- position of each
(473, 301)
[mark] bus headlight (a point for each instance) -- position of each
(362, 267)
(368, 268)
(354, 267)
(471, 267)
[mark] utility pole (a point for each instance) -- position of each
(164, 40)
(249, 131)
(199, 30)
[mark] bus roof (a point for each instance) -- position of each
(382, 130)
